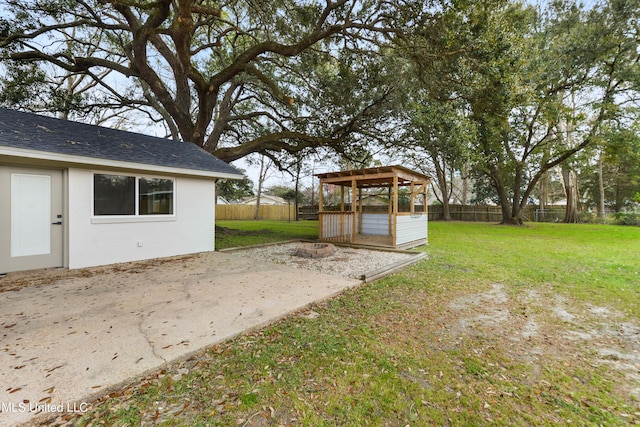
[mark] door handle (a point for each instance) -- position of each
(57, 223)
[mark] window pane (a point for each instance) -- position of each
(114, 195)
(156, 196)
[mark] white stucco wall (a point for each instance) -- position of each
(99, 240)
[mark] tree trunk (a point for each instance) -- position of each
(544, 191)
(446, 211)
(571, 192)
(443, 186)
(543, 196)
(510, 212)
(444, 190)
(465, 184)
(601, 189)
(297, 189)
(511, 215)
(619, 203)
(261, 178)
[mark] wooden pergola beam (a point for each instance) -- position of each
(371, 177)
(346, 180)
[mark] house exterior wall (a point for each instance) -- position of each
(102, 240)
(410, 228)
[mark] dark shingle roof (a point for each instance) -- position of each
(34, 132)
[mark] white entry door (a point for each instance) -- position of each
(31, 223)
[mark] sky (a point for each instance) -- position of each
(280, 178)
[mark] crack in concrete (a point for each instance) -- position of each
(142, 318)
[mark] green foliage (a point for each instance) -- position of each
(5, 28)
(622, 166)
(235, 78)
(536, 83)
(26, 86)
(282, 191)
(234, 189)
(626, 218)
(512, 89)
(618, 150)
(21, 85)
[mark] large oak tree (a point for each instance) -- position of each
(236, 77)
(537, 84)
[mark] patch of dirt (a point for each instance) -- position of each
(542, 326)
(534, 327)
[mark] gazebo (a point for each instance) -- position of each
(345, 217)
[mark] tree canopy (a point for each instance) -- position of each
(537, 84)
(236, 78)
(504, 89)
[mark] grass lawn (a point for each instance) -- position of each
(535, 325)
(247, 233)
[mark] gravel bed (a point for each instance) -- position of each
(348, 262)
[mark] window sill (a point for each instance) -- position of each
(132, 219)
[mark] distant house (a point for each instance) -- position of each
(265, 200)
(375, 200)
(76, 195)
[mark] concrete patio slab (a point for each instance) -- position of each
(78, 337)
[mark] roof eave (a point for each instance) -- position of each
(98, 162)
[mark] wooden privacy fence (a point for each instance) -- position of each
(247, 212)
(478, 213)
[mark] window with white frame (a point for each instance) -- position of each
(132, 195)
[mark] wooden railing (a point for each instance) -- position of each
(336, 226)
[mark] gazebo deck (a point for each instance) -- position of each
(372, 240)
